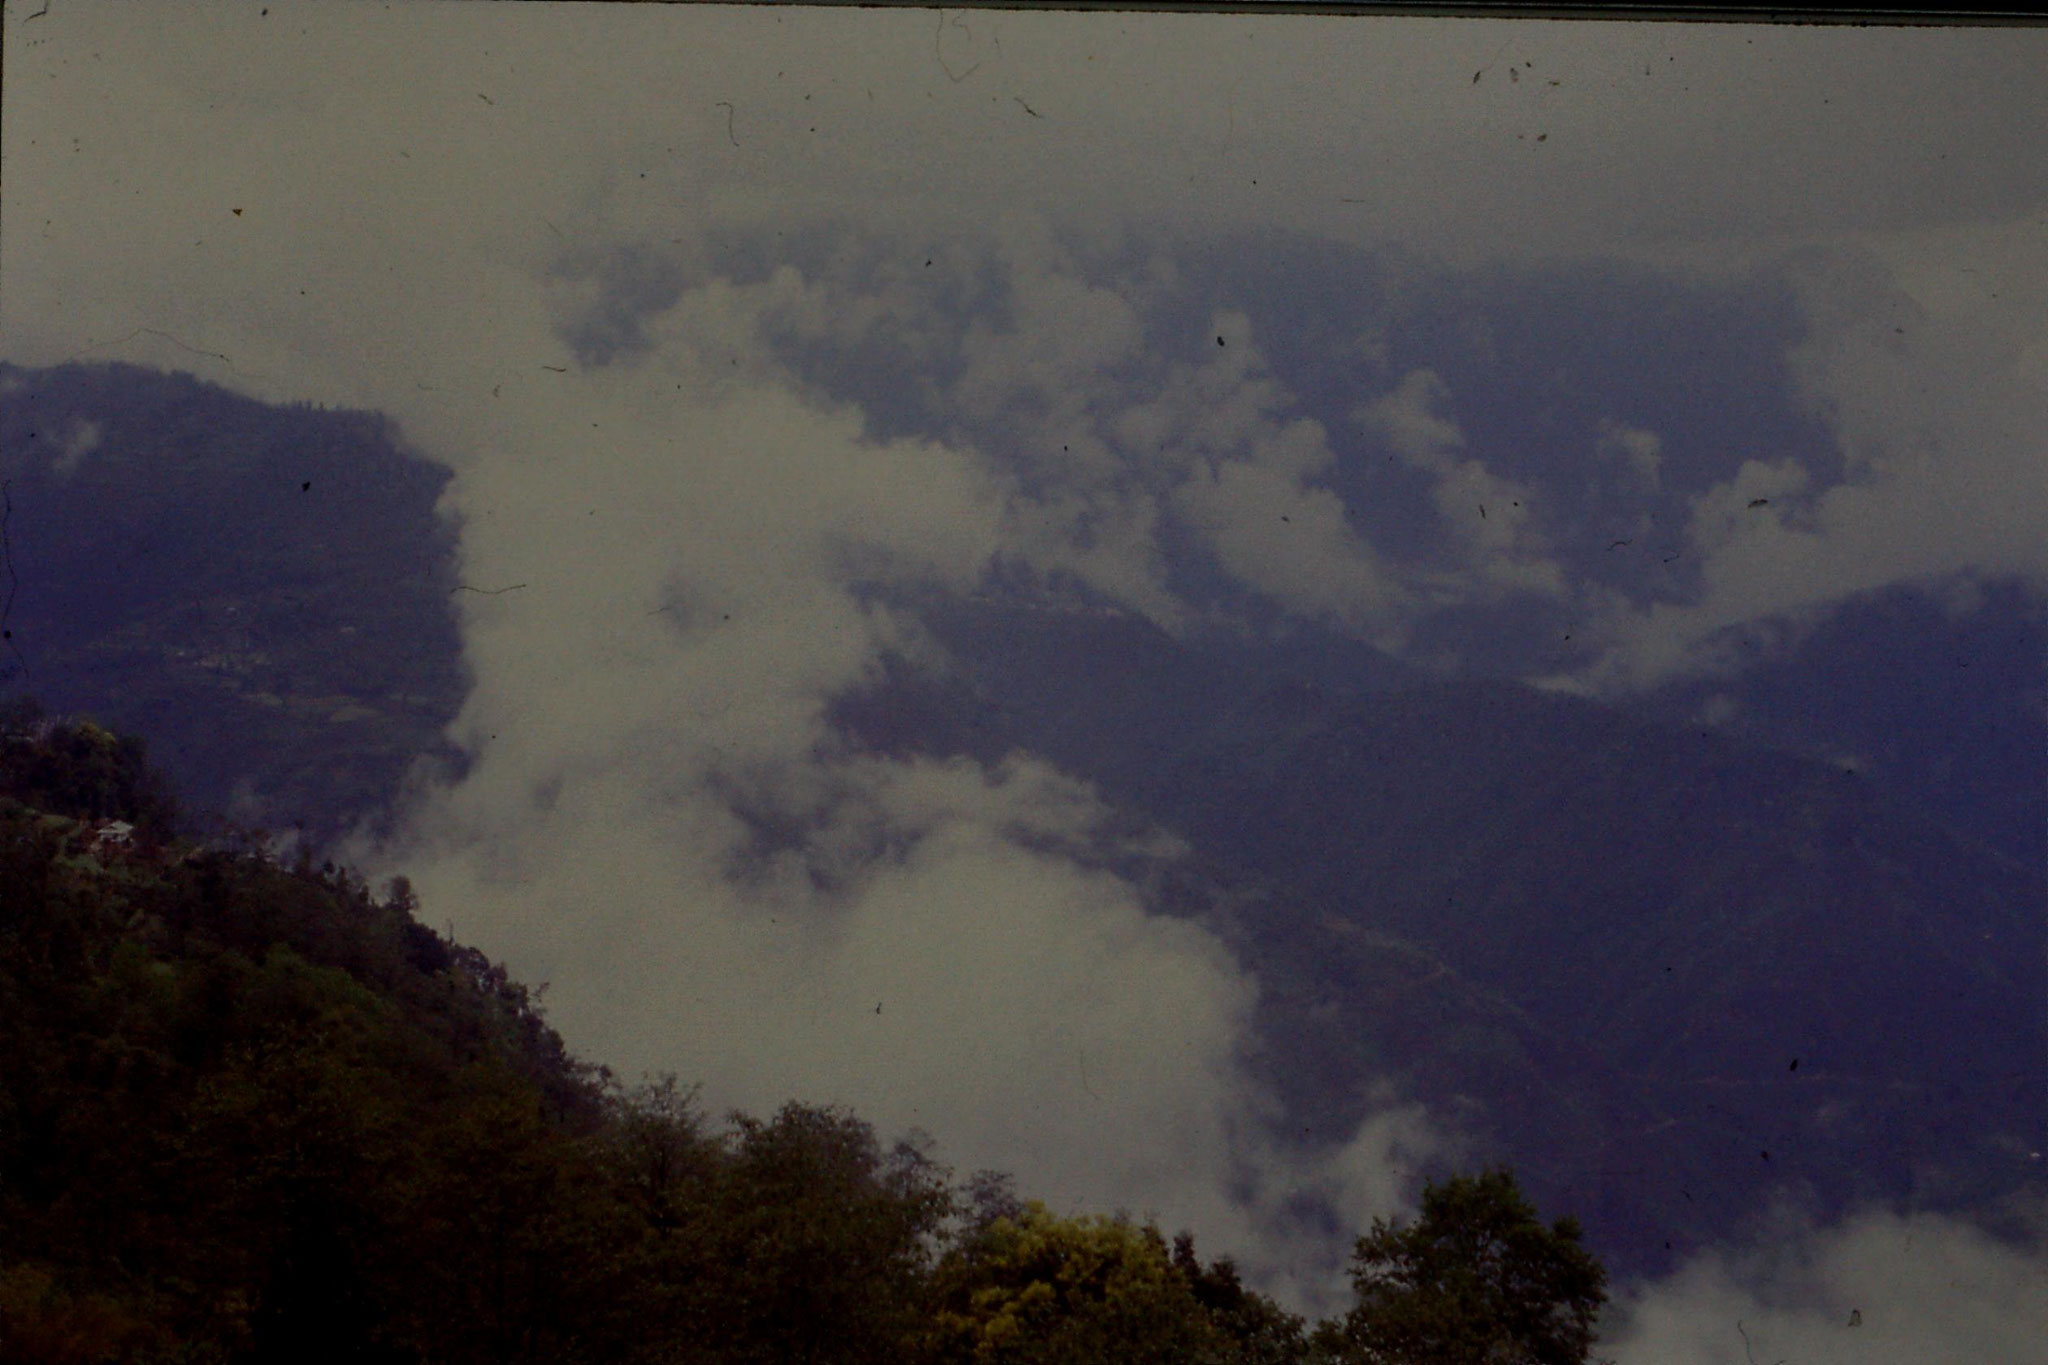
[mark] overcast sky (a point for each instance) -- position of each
(723, 317)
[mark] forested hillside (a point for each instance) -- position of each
(235, 580)
(256, 1113)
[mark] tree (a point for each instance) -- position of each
(1477, 1280)
(1249, 1328)
(82, 770)
(1033, 1288)
(817, 1242)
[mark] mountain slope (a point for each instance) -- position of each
(1940, 694)
(262, 591)
(1764, 974)
(1667, 973)
(1593, 943)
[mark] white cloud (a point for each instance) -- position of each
(1877, 1289)
(80, 439)
(1066, 334)
(1407, 420)
(1642, 450)
(1491, 518)
(1106, 537)
(1940, 421)
(373, 171)
(1291, 543)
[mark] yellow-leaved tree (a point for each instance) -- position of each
(1029, 1287)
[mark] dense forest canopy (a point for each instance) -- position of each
(252, 1112)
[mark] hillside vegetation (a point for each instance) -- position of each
(255, 1113)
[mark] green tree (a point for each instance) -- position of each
(1032, 1288)
(1248, 1328)
(80, 769)
(1476, 1280)
(817, 1242)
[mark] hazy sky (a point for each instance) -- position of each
(725, 317)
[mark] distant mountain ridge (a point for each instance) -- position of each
(1595, 942)
(263, 592)
(1943, 696)
(1665, 971)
